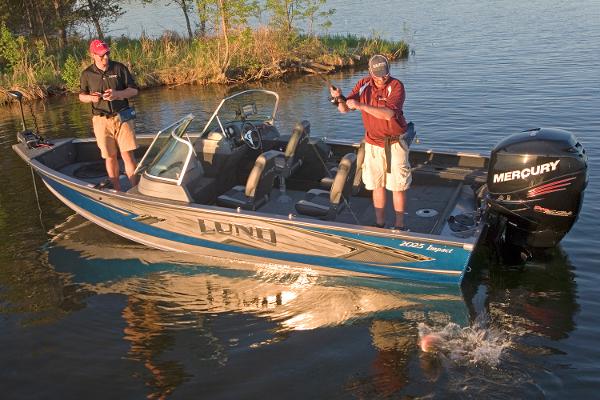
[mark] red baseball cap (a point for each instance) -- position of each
(98, 47)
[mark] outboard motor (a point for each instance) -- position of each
(536, 180)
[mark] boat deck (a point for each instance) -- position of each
(424, 195)
(430, 200)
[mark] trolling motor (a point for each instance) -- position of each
(29, 138)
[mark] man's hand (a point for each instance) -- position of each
(353, 104)
(95, 97)
(334, 92)
(109, 95)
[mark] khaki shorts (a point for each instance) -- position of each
(374, 172)
(113, 136)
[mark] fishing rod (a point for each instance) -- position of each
(333, 100)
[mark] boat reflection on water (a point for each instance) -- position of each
(185, 320)
(167, 293)
(539, 301)
(296, 299)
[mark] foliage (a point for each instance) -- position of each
(9, 49)
(99, 12)
(71, 73)
(227, 49)
(286, 14)
(24, 62)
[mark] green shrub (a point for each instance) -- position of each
(9, 50)
(71, 72)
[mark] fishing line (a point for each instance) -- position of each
(37, 198)
(346, 202)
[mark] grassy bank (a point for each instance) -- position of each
(170, 60)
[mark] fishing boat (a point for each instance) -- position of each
(235, 187)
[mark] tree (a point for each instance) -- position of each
(62, 19)
(285, 14)
(99, 12)
(44, 19)
(234, 13)
(312, 12)
(186, 7)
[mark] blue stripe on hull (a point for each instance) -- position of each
(445, 257)
(455, 265)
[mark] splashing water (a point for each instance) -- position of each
(475, 344)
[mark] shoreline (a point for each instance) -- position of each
(260, 55)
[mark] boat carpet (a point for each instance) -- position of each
(94, 172)
(428, 205)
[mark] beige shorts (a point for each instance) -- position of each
(374, 172)
(113, 136)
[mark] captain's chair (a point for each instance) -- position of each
(289, 161)
(326, 204)
(327, 181)
(258, 185)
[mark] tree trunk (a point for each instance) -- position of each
(202, 16)
(184, 7)
(61, 33)
(29, 20)
(225, 63)
(95, 20)
(41, 23)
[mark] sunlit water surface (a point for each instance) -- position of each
(85, 314)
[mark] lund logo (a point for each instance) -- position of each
(526, 172)
(265, 235)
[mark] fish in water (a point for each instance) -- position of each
(431, 342)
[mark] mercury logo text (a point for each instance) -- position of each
(526, 172)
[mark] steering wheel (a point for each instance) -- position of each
(251, 136)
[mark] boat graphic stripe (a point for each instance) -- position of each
(550, 187)
(126, 225)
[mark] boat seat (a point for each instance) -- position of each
(258, 185)
(327, 181)
(326, 204)
(219, 159)
(289, 161)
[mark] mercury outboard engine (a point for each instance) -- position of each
(535, 183)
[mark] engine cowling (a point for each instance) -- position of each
(536, 181)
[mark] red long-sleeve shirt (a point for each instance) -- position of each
(392, 96)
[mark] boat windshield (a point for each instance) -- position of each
(256, 106)
(169, 154)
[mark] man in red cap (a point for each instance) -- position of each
(380, 97)
(107, 85)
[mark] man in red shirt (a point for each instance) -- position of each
(380, 97)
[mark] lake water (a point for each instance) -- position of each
(85, 314)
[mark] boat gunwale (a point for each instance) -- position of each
(465, 243)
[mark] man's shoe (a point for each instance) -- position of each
(105, 184)
(401, 228)
(376, 225)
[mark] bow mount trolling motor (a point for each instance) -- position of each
(29, 138)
